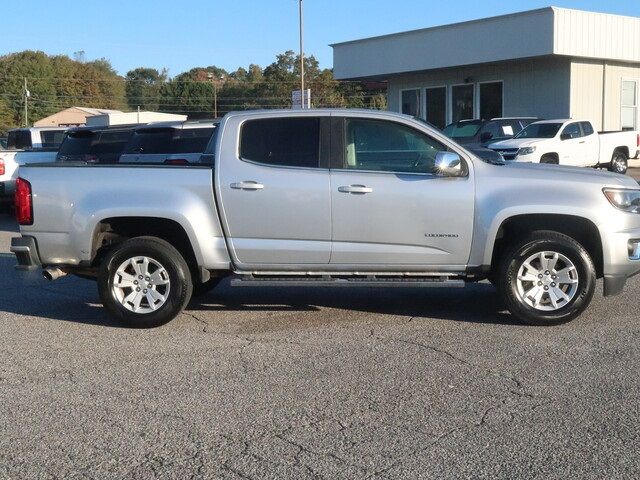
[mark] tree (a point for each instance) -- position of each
(143, 88)
(56, 83)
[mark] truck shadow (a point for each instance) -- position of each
(477, 303)
(75, 300)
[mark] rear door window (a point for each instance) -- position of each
(587, 129)
(573, 130)
(292, 142)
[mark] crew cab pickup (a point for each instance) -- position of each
(342, 198)
(571, 142)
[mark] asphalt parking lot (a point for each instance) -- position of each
(329, 383)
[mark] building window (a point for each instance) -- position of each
(462, 99)
(410, 100)
(490, 100)
(629, 104)
(437, 106)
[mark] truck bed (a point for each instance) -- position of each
(71, 199)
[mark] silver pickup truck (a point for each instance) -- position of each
(330, 198)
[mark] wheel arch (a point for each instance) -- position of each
(111, 231)
(581, 229)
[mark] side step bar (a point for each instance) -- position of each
(252, 280)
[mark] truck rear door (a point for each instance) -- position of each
(273, 190)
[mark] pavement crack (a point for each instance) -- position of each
(198, 319)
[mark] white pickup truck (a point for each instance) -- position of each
(571, 142)
(26, 145)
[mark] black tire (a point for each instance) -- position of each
(550, 159)
(542, 241)
(177, 270)
(619, 162)
(202, 288)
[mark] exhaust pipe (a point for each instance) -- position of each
(52, 274)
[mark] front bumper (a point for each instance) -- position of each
(26, 251)
(621, 259)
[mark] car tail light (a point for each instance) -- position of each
(23, 202)
(1, 167)
(176, 161)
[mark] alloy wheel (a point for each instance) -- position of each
(141, 285)
(547, 281)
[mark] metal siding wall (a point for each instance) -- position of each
(522, 35)
(586, 91)
(597, 35)
(538, 87)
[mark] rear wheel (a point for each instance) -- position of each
(619, 162)
(144, 282)
(546, 279)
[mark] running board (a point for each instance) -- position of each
(252, 280)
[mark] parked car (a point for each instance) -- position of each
(331, 198)
(95, 144)
(169, 142)
(480, 133)
(26, 145)
(571, 142)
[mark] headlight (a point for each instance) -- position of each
(626, 200)
(526, 150)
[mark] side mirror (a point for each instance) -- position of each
(448, 164)
(485, 137)
(565, 136)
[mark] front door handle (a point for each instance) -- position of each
(247, 185)
(357, 189)
(582, 141)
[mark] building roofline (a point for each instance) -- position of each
(471, 22)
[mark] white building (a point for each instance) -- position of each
(550, 63)
(131, 118)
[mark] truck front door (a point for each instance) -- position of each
(273, 192)
(389, 207)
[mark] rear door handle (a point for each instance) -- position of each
(357, 189)
(247, 185)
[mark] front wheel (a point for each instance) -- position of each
(619, 162)
(546, 279)
(144, 282)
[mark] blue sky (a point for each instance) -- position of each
(181, 34)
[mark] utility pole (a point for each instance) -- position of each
(215, 94)
(302, 102)
(27, 94)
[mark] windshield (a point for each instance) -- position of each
(540, 130)
(462, 130)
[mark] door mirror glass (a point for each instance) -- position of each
(565, 136)
(449, 164)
